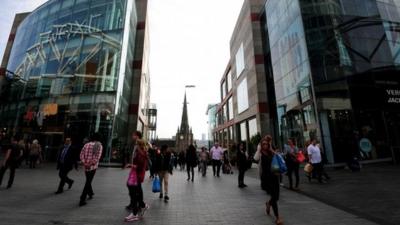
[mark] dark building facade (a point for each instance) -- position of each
(79, 67)
(335, 73)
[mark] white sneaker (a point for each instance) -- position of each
(131, 218)
(143, 210)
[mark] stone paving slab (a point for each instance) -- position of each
(373, 193)
(208, 200)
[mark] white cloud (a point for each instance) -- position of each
(189, 45)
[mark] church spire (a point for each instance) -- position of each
(185, 120)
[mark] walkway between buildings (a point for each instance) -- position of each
(207, 200)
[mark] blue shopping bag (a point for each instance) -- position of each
(156, 184)
(278, 164)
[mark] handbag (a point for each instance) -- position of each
(278, 164)
(132, 178)
(300, 157)
(308, 168)
(156, 184)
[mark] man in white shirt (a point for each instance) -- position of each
(216, 156)
(314, 155)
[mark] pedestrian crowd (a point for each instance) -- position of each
(161, 161)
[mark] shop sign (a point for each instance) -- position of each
(393, 96)
(365, 145)
(50, 109)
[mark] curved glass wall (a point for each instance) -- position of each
(354, 52)
(335, 67)
(290, 68)
(68, 58)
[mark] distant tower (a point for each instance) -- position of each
(184, 135)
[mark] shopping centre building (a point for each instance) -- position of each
(331, 72)
(76, 67)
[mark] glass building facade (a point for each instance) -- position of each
(335, 69)
(72, 61)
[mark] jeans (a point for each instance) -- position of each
(203, 166)
(32, 160)
(317, 171)
(293, 168)
(241, 176)
(63, 174)
(190, 169)
(12, 166)
(164, 177)
(136, 195)
(88, 190)
(216, 164)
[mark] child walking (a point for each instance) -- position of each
(134, 183)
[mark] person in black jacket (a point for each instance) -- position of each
(242, 163)
(191, 161)
(163, 167)
(67, 158)
(13, 154)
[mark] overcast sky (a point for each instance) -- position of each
(189, 45)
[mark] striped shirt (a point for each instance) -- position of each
(90, 157)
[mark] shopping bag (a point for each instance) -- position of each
(278, 164)
(132, 179)
(156, 184)
(308, 168)
(300, 157)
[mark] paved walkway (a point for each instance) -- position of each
(207, 200)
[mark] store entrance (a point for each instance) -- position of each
(392, 120)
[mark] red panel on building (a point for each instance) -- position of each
(137, 64)
(140, 25)
(259, 59)
(255, 17)
(263, 107)
(2, 71)
(11, 37)
(133, 109)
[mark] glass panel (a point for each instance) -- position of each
(230, 108)
(243, 131)
(240, 63)
(253, 127)
(223, 90)
(242, 96)
(229, 81)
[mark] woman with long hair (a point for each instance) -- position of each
(135, 180)
(269, 179)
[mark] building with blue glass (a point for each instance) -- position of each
(334, 68)
(77, 67)
(325, 69)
